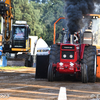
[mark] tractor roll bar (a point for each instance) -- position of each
(55, 28)
(65, 18)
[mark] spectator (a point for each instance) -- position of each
(0, 49)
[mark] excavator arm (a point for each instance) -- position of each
(6, 14)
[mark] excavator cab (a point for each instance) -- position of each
(20, 33)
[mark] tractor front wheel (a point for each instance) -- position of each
(50, 73)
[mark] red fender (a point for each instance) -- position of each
(82, 50)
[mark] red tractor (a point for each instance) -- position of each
(75, 55)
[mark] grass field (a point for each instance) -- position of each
(12, 67)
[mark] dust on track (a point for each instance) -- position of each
(22, 85)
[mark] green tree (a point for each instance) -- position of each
(43, 1)
(18, 14)
(40, 17)
(52, 11)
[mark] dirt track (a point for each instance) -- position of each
(21, 85)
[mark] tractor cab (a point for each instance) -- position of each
(20, 33)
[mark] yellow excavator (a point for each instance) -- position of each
(15, 36)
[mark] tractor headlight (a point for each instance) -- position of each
(61, 64)
(70, 56)
(64, 56)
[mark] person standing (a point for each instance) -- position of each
(0, 49)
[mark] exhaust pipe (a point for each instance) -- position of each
(71, 39)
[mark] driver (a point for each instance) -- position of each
(76, 37)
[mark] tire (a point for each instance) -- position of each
(84, 73)
(30, 63)
(54, 57)
(91, 61)
(54, 54)
(50, 73)
(26, 62)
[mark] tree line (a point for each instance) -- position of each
(40, 17)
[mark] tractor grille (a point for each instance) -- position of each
(67, 54)
(68, 47)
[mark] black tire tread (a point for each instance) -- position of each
(54, 54)
(54, 57)
(89, 55)
(84, 73)
(50, 73)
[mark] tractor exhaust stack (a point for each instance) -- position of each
(71, 39)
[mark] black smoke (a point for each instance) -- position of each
(97, 1)
(75, 10)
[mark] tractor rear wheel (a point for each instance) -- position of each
(92, 63)
(54, 54)
(84, 73)
(84, 67)
(90, 59)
